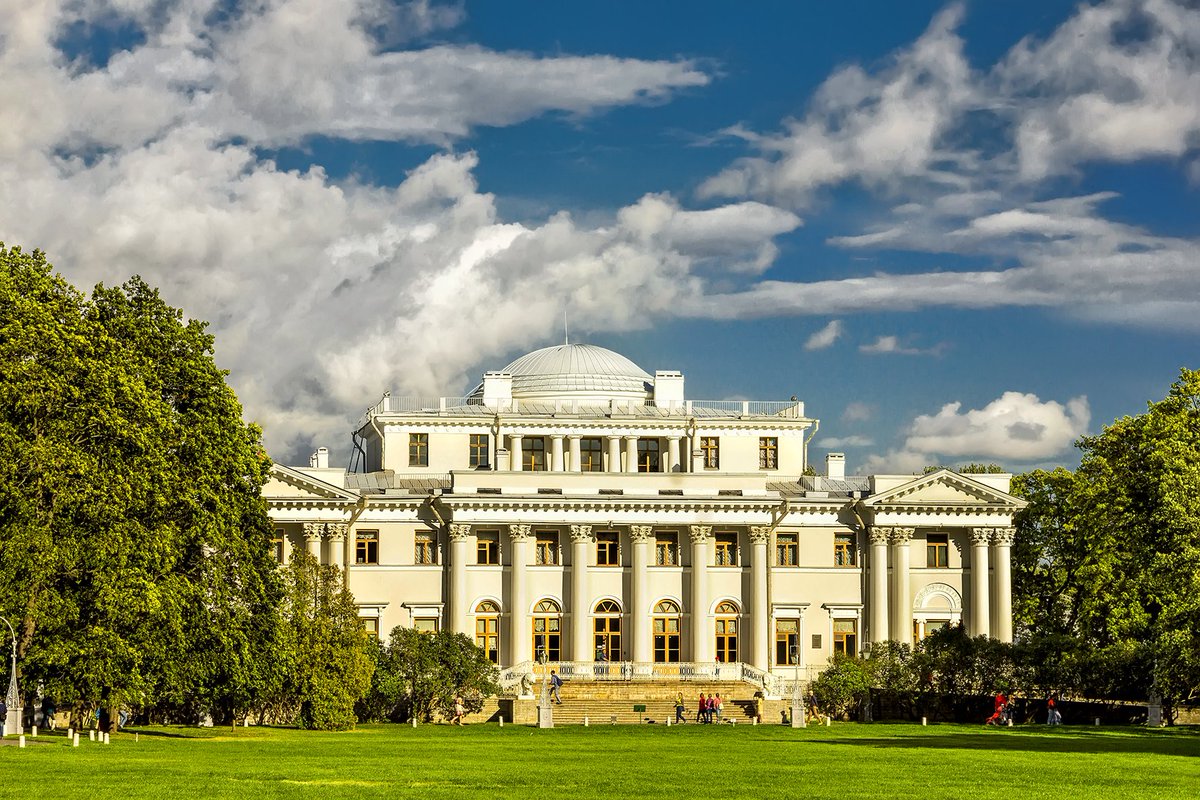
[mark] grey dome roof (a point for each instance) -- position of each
(577, 368)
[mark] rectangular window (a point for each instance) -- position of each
(666, 550)
(726, 555)
(768, 452)
(426, 549)
(843, 550)
(418, 449)
(648, 455)
(487, 548)
(277, 546)
(787, 642)
(607, 554)
(710, 447)
(370, 625)
(937, 550)
(481, 449)
(426, 625)
(845, 636)
(366, 547)
(533, 454)
(545, 552)
(591, 455)
(787, 547)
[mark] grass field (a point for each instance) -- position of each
(485, 761)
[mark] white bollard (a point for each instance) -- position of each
(668, 722)
(413, 720)
(75, 740)
(21, 740)
(33, 731)
(756, 721)
(106, 738)
(828, 721)
(1097, 722)
(585, 720)
(135, 737)
(70, 732)
(924, 722)
(91, 735)
(501, 722)
(246, 722)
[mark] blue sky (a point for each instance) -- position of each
(958, 231)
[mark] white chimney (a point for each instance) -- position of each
(497, 390)
(319, 459)
(668, 388)
(835, 465)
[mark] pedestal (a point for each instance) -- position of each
(545, 715)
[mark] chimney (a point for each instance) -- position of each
(319, 459)
(668, 388)
(835, 466)
(497, 390)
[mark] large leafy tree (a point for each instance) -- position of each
(420, 674)
(133, 535)
(1110, 555)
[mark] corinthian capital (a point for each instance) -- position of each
(641, 533)
(760, 534)
(581, 533)
(459, 531)
(313, 530)
(981, 536)
(902, 535)
(880, 535)
(337, 531)
(521, 532)
(1004, 537)
(700, 533)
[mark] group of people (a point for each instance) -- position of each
(1002, 713)
(708, 709)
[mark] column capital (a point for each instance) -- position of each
(1004, 537)
(459, 531)
(581, 533)
(520, 533)
(902, 535)
(641, 533)
(337, 531)
(760, 534)
(981, 536)
(880, 535)
(575, 436)
(313, 531)
(630, 437)
(516, 437)
(700, 533)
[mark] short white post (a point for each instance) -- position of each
(924, 721)
(1097, 722)
(106, 738)
(585, 720)
(413, 720)
(501, 720)
(74, 740)
(33, 731)
(70, 732)
(135, 737)
(668, 722)
(828, 721)
(246, 722)
(756, 722)
(91, 734)
(21, 740)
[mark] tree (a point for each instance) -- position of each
(324, 650)
(422, 673)
(133, 536)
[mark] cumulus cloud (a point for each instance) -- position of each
(826, 336)
(1014, 428)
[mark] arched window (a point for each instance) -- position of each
(726, 626)
(547, 631)
(666, 632)
(487, 629)
(607, 629)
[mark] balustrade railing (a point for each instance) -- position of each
(532, 673)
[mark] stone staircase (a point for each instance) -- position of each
(608, 703)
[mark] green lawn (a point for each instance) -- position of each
(609, 763)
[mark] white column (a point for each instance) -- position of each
(879, 584)
(287, 547)
(556, 453)
(673, 454)
(460, 552)
(760, 611)
(573, 452)
(1002, 541)
(312, 539)
(614, 454)
(514, 449)
(702, 636)
(520, 646)
(981, 617)
(901, 603)
(631, 454)
(581, 598)
(641, 539)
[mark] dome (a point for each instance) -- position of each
(579, 371)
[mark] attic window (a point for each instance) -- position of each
(671, 492)
(612, 491)
(488, 490)
(729, 492)
(549, 491)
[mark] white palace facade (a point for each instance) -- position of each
(578, 509)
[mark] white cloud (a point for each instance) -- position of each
(857, 412)
(826, 336)
(1013, 428)
(855, 440)
(891, 345)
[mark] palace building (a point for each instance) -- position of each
(577, 509)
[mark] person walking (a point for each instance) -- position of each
(997, 717)
(460, 710)
(555, 685)
(1053, 716)
(679, 707)
(700, 707)
(717, 706)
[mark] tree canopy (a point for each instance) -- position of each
(133, 535)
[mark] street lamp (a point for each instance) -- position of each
(797, 712)
(12, 722)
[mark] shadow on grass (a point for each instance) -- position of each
(1178, 742)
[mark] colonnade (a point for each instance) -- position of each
(620, 452)
(990, 574)
(577, 635)
(334, 534)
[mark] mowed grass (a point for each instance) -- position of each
(608, 763)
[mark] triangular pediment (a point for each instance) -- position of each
(286, 483)
(944, 488)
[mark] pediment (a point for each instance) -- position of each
(944, 488)
(287, 484)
